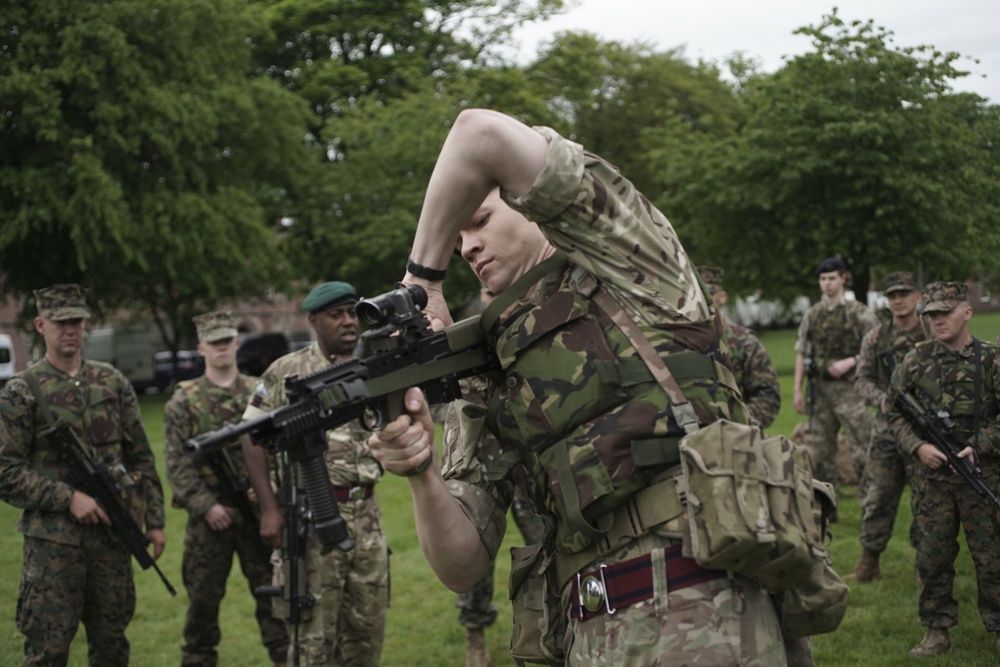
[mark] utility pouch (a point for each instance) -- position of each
(539, 626)
(816, 605)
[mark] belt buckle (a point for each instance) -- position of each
(592, 592)
(355, 492)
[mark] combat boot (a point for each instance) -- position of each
(935, 642)
(476, 655)
(867, 568)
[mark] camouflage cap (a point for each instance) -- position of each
(216, 326)
(66, 301)
(329, 294)
(943, 296)
(899, 281)
(712, 275)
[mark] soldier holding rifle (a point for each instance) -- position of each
(76, 570)
(956, 376)
(212, 489)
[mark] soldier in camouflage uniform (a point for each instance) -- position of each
(887, 470)
(829, 341)
(751, 363)
(75, 569)
(347, 624)
(961, 374)
(620, 250)
(216, 529)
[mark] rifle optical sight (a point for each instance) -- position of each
(402, 303)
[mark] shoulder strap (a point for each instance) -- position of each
(977, 349)
(518, 289)
(43, 405)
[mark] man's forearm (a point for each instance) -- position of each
(259, 475)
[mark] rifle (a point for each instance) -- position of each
(936, 427)
(234, 494)
(96, 482)
(810, 373)
(401, 352)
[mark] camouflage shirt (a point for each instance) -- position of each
(604, 225)
(348, 457)
(932, 372)
(199, 406)
(827, 333)
(99, 404)
(882, 349)
(755, 373)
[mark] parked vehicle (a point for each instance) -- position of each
(129, 349)
(6, 358)
(258, 350)
(190, 365)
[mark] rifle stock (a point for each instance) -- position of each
(936, 427)
(97, 482)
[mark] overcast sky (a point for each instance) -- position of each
(714, 29)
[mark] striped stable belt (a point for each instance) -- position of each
(356, 492)
(612, 587)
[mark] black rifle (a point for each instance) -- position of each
(810, 373)
(97, 483)
(234, 494)
(936, 427)
(403, 352)
(887, 359)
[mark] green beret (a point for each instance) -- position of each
(324, 296)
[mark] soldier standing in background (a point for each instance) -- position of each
(351, 590)
(887, 469)
(751, 364)
(75, 569)
(830, 337)
(961, 374)
(216, 528)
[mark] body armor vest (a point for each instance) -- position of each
(836, 334)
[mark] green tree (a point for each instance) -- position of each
(858, 149)
(141, 156)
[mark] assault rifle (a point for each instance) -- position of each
(936, 427)
(96, 482)
(401, 352)
(810, 372)
(234, 494)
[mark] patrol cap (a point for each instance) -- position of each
(831, 264)
(66, 301)
(712, 275)
(216, 326)
(899, 281)
(329, 294)
(943, 296)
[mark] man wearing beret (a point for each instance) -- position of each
(347, 623)
(75, 569)
(887, 469)
(216, 529)
(960, 375)
(829, 340)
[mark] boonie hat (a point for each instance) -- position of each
(329, 294)
(712, 275)
(899, 281)
(66, 301)
(943, 296)
(216, 326)
(831, 264)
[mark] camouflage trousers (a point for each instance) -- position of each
(476, 608)
(720, 623)
(886, 474)
(945, 506)
(64, 585)
(208, 559)
(837, 406)
(346, 625)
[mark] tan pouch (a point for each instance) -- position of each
(816, 605)
(539, 623)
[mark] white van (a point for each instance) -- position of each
(6, 358)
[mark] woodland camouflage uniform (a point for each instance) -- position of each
(347, 623)
(610, 233)
(931, 372)
(73, 572)
(199, 406)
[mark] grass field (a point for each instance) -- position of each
(881, 623)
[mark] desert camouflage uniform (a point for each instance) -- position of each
(888, 469)
(755, 372)
(73, 572)
(199, 406)
(606, 228)
(347, 623)
(826, 335)
(931, 372)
